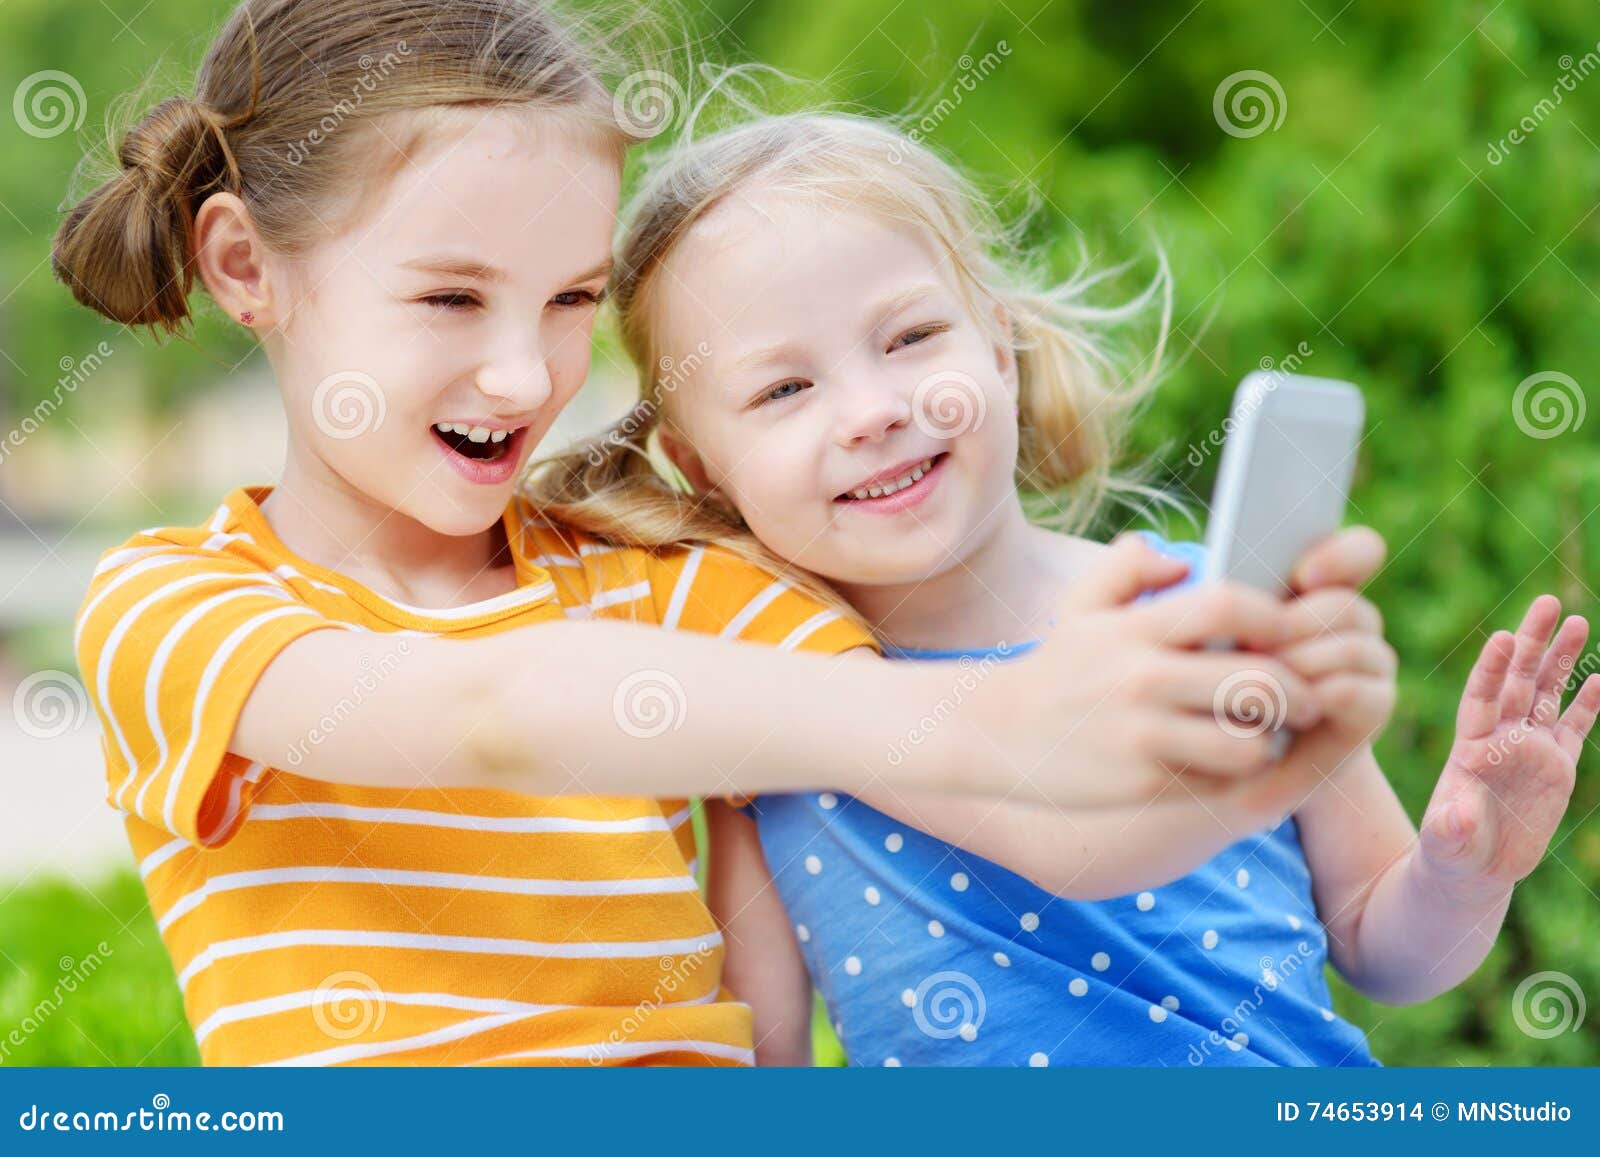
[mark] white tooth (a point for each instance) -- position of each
(456, 428)
(478, 433)
(499, 435)
(876, 491)
(916, 475)
(442, 427)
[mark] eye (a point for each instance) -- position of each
(917, 334)
(783, 390)
(453, 300)
(576, 297)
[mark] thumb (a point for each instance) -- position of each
(1128, 569)
(1446, 831)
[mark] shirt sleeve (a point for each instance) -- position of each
(711, 591)
(716, 593)
(170, 642)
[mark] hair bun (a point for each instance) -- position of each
(171, 139)
(126, 249)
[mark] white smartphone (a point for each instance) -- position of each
(1284, 478)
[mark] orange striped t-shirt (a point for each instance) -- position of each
(318, 923)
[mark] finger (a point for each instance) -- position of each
(1237, 685)
(1480, 702)
(1349, 653)
(1365, 697)
(1220, 610)
(1579, 717)
(1516, 697)
(1346, 558)
(1198, 743)
(1276, 792)
(1447, 831)
(1125, 570)
(1556, 668)
(1334, 610)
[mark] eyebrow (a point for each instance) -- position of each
(894, 303)
(886, 307)
(474, 269)
(767, 356)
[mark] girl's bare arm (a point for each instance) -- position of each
(763, 966)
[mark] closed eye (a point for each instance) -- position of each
(917, 334)
(455, 300)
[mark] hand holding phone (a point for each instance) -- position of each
(1283, 482)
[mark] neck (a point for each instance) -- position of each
(1002, 589)
(321, 517)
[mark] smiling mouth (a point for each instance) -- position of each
(476, 442)
(894, 485)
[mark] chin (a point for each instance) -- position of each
(467, 515)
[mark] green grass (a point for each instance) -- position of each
(85, 980)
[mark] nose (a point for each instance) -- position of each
(871, 411)
(518, 374)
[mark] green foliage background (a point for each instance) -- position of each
(1370, 225)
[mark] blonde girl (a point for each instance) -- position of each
(391, 803)
(880, 376)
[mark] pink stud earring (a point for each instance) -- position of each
(247, 317)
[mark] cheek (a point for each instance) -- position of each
(569, 357)
(774, 489)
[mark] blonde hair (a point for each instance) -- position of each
(282, 116)
(1074, 406)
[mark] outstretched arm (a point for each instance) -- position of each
(540, 710)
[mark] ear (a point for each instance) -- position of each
(687, 461)
(1005, 350)
(233, 261)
